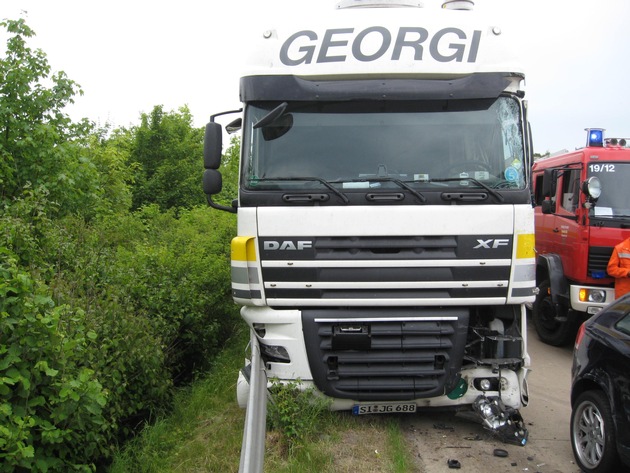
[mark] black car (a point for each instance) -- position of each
(600, 391)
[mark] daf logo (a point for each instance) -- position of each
(288, 245)
(492, 243)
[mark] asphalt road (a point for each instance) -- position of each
(439, 437)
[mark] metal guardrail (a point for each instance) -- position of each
(253, 447)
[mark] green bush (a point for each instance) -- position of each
(102, 310)
(177, 275)
(156, 290)
(51, 404)
(295, 413)
(154, 294)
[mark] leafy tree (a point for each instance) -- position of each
(40, 147)
(110, 153)
(167, 151)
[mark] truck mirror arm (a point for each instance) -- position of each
(225, 208)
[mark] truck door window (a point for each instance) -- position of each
(571, 190)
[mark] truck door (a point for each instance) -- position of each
(545, 222)
(566, 227)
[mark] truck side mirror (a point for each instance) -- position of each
(548, 206)
(212, 182)
(212, 152)
(212, 146)
(550, 179)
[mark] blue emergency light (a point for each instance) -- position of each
(595, 137)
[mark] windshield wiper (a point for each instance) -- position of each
(490, 190)
(398, 182)
(324, 182)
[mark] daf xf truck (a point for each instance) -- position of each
(385, 247)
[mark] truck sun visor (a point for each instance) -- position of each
(476, 86)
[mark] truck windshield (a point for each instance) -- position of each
(423, 144)
(615, 198)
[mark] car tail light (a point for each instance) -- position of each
(580, 335)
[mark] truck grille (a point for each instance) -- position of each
(303, 270)
(396, 354)
(598, 257)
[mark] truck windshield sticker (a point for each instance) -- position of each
(604, 167)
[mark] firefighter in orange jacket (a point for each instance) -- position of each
(619, 268)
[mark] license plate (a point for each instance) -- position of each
(397, 408)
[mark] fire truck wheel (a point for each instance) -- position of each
(550, 320)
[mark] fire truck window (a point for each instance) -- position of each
(571, 190)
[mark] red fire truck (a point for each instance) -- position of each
(582, 210)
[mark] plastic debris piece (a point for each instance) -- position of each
(454, 464)
(499, 452)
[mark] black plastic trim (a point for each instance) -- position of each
(399, 294)
(275, 198)
(377, 274)
(292, 88)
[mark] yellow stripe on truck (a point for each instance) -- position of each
(525, 246)
(243, 248)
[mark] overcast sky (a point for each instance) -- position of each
(130, 55)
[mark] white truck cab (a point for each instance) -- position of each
(385, 247)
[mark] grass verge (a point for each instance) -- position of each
(204, 434)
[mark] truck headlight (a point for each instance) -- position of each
(486, 384)
(592, 295)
